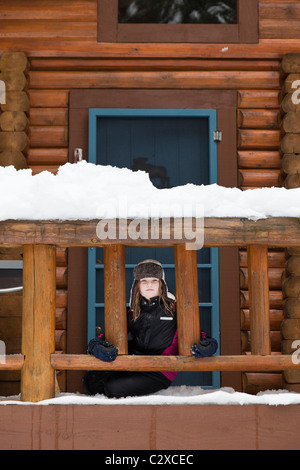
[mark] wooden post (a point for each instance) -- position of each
(187, 299)
(38, 322)
(115, 297)
(259, 300)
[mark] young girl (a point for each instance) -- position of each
(153, 327)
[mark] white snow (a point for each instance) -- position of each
(86, 191)
(179, 395)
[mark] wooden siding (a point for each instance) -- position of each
(60, 40)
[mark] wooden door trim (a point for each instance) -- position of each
(225, 101)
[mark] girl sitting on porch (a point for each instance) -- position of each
(153, 327)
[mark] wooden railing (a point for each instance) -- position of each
(40, 239)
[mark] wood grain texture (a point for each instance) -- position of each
(38, 323)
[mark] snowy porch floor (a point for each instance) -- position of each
(180, 395)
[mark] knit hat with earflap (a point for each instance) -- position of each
(149, 268)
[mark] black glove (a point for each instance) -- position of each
(103, 350)
(207, 347)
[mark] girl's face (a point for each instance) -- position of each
(149, 287)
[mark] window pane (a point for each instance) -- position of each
(178, 11)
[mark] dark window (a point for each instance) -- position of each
(178, 21)
(178, 11)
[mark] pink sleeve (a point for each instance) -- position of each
(172, 350)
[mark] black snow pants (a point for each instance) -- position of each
(120, 384)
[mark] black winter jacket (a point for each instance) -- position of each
(154, 330)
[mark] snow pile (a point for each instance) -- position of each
(87, 191)
(180, 395)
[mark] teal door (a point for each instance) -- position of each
(175, 147)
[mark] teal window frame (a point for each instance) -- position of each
(213, 266)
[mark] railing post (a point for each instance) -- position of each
(38, 322)
(259, 299)
(115, 296)
(187, 298)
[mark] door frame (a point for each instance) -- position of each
(225, 102)
(211, 115)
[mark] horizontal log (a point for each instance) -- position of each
(78, 10)
(275, 278)
(258, 178)
(12, 362)
(276, 318)
(61, 277)
(51, 29)
(275, 298)
(60, 340)
(177, 363)
(49, 117)
(61, 318)
(258, 118)
(61, 298)
(155, 79)
(48, 99)
(275, 337)
(276, 259)
(259, 159)
(48, 136)
(254, 383)
(258, 139)
(274, 232)
(47, 156)
(278, 9)
(49, 47)
(278, 29)
(126, 63)
(254, 99)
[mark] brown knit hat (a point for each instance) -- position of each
(149, 268)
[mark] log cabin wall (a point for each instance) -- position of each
(290, 150)
(59, 38)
